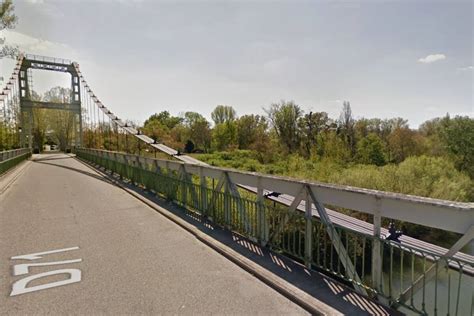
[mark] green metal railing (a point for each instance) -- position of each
(11, 158)
(449, 293)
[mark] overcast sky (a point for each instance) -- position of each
(412, 59)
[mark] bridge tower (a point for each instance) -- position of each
(27, 104)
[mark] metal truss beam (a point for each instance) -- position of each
(71, 107)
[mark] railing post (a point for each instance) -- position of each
(203, 191)
(308, 240)
(227, 202)
(376, 249)
(184, 186)
(262, 227)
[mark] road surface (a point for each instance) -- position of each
(70, 242)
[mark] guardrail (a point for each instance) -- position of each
(10, 158)
(396, 274)
(53, 60)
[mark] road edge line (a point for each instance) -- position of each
(15, 172)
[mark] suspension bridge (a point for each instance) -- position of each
(67, 215)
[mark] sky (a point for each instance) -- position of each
(410, 59)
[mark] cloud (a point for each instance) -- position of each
(32, 45)
(432, 58)
(35, 1)
(468, 68)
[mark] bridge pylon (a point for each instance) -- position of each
(28, 104)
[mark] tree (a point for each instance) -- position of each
(312, 125)
(370, 150)
(458, 137)
(165, 119)
(401, 144)
(198, 129)
(224, 135)
(284, 117)
(223, 114)
(346, 126)
(61, 122)
(249, 129)
(191, 118)
(40, 124)
(7, 18)
(7, 21)
(156, 130)
(336, 149)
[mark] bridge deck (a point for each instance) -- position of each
(133, 260)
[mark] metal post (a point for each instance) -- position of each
(126, 142)
(80, 130)
(376, 249)
(262, 227)
(203, 189)
(118, 139)
(30, 129)
(308, 240)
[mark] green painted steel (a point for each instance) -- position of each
(9, 159)
(401, 265)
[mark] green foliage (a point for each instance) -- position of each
(313, 128)
(336, 149)
(197, 129)
(434, 161)
(250, 131)
(458, 137)
(7, 21)
(7, 18)
(164, 119)
(434, 177)
(223, 114)
(156, 130)
(224, 136)
(61, 123)
(401, 144)
(345, 127)
(284, 117)
(370, 150)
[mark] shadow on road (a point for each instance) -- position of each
(314, 283)
(54, 157)
(90, 174)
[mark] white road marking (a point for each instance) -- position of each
(21, 269)
(38, 255)
(19, 287)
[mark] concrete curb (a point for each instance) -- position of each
(308, 302)
(14, 173)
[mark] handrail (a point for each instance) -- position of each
(442, 214)
(8, 154)
(10, 158)
(48, 59)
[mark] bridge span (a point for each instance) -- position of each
(129, 258)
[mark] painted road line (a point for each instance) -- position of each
(38, 255)
(21, 286)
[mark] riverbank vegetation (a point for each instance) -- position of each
(436, 160)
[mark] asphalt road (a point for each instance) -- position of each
(132, 259)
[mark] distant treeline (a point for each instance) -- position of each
(287, 130)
